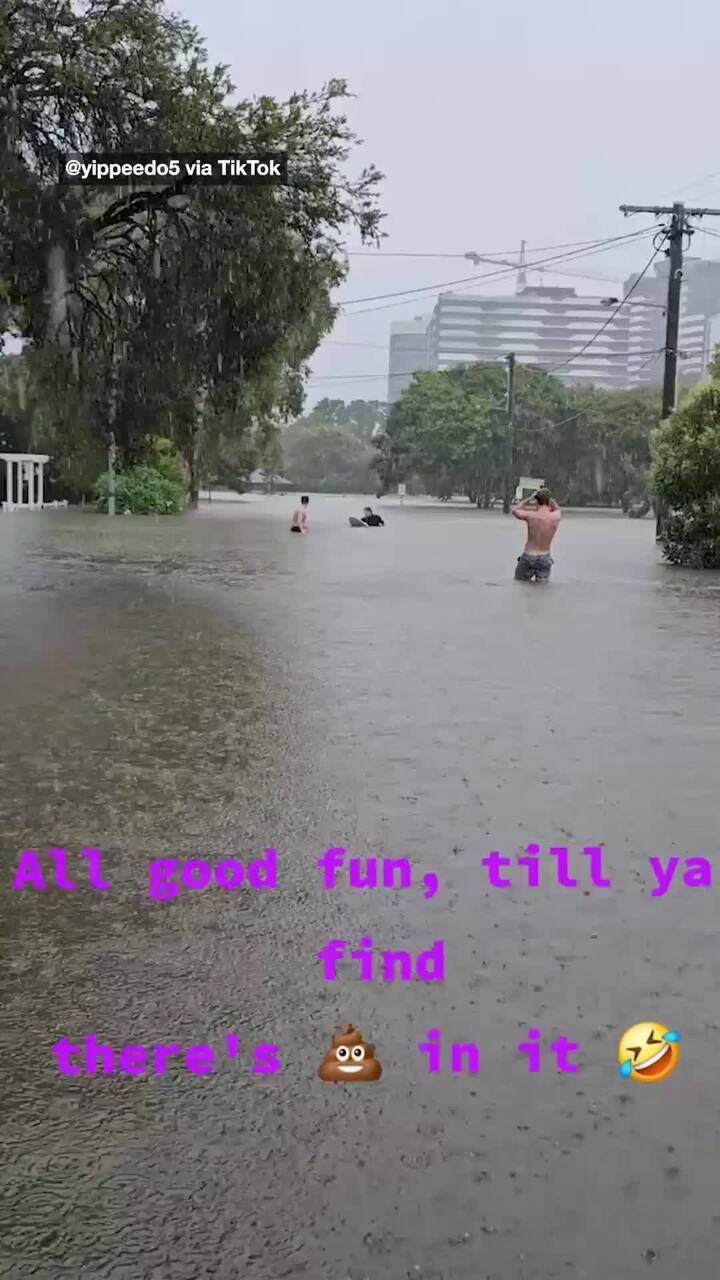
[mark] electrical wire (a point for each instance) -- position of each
(651, 360)
(621, 304)
(690, 186)
(351, 377)
(525, 266)
(493, 275)
(487, 253)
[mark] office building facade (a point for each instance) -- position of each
(543, 326)
(408, 354)
(578, 338)
(699, 309)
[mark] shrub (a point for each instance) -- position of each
(142, 490)
(686, 474)
(162, 456)
(692, 536)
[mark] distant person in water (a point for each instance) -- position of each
(369, 517)
(541, 514)
(299, 520)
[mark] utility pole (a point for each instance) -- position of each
(510, 441)
(677, 230)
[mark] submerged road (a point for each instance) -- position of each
(208, 686)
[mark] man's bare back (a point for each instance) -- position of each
(299, 520)
(541, 514)
(542, 525)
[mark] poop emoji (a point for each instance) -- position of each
(350, 1058)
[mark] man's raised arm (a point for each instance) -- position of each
(520, 511)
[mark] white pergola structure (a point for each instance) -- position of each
(24, 475)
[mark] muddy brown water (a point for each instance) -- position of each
(208, 686)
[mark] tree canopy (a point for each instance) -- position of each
(328, 459)
(183, 310)
(450, 427)
(359, 417)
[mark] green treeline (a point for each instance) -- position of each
(450, 429)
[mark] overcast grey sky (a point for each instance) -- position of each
(492, 124)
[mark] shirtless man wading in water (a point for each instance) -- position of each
(299, 520)
(541, 513)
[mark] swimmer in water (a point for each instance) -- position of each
(299, 520)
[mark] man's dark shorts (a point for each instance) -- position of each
(533, 568)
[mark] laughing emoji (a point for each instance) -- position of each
(648, 1052)
(350, 1058)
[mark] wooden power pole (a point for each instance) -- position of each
(677, 230)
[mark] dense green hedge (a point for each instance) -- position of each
(686, 474)
(155, 486)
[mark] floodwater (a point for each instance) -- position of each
(208, 686)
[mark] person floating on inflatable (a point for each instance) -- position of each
(369, 520)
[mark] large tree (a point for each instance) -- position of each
(602, 453)
(328, 460)
(451, 427)
(360, 417)
(180, 305)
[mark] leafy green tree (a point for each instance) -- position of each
(588, 444)
(603, 452)
(177, 305)
(359, 417)
(451, 428)
(686, 473)
(445, 430)
(328, 460)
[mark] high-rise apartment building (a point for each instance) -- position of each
(699, 306)
(576, 337)
(408, 354)
(543, 326)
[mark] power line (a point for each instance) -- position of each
(490, 275)
(690, 186)
(655, 355)
(605, 355)
(487, 256)
(446, 284)
(613, 314)
(487, 253)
